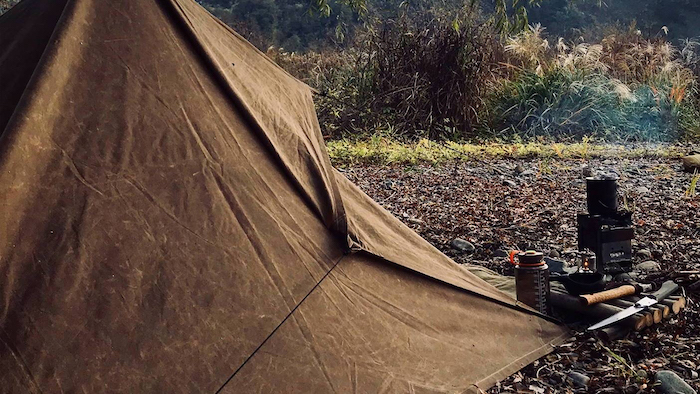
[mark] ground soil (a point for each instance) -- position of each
(500, 205)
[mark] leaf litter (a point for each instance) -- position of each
(501, 205)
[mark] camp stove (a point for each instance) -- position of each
(605, 229)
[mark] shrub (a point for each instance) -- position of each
(417, 77)
(625, 88)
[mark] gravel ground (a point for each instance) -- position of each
(500, 205)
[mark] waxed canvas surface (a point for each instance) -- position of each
(170, 222)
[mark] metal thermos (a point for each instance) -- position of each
(532, 281)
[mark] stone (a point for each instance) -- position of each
(500, 253)
(554, 254)
(519, 169)
(670, 383)
(642, 190)
(463, 245)
(578, 379)
(587, 172)
(691, 163)
(648, 266)
(416, 221)
(528, 173)
(555, 265)
(509, 183)
(644, 254)
(537, 389)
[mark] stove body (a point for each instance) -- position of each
(606, 230)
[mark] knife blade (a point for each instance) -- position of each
(668, 288)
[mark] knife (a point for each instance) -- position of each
(668, 288)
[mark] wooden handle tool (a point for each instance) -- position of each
(607, 295)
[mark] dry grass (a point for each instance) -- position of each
(692, 188)
(623, 88)
(383, 150)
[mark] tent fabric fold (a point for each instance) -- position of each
(171, 222)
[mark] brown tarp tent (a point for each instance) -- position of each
(170, 222)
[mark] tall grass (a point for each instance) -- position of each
(434, 77)
(420, 76)
(624, 88)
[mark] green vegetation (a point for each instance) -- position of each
(692, 188)
(455, 70)
(623, 88)
(444, 70)
(290, 24)
(675, 19)
(417, 77)
(454, 79)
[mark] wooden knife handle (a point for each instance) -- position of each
(607, 295)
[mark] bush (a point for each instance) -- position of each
(623, 89)
(417, 77)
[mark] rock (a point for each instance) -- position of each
(578, 379)
(528, 173)
(644, 254)
(500, 253)
(463, 245)
(587, 172)
(509, 183)
(642, 190)
(648, 266)
(670, 383)
(554, 254)
(416, 221)
(693, 375)
(555, 265)
(536, 389)
(691, 163)
(519, 169)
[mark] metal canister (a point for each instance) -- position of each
(532, 281)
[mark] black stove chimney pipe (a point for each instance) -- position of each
(601, 196)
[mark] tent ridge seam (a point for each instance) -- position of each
(249, 116)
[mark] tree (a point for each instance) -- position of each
(509, 15)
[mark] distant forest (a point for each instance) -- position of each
(291, 25)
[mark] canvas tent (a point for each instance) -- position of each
(170, 222)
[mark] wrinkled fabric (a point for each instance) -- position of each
(171, 223)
